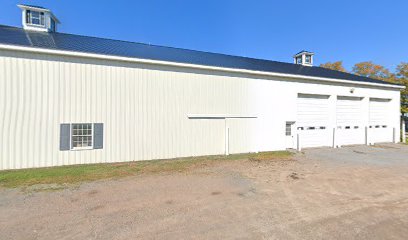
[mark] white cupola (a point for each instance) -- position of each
(304, 58)
(37, 18)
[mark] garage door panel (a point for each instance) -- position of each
(350, 136)
(314, 138)
(379, 129)
(312, 120)
(380, 134)
(350, 129)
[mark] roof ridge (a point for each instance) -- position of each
(249, 63)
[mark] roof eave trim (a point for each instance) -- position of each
(220, 116)
(22, 6)
(188, 65)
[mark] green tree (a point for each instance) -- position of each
(402, 70)
(402, 78)
(372, 70)
(338, 66)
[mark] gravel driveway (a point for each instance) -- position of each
(356, 192)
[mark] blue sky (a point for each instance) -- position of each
(348, 30)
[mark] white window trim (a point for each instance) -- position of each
(72, 135)
(81, 148)
(35, 25)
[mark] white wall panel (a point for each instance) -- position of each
(241, 135)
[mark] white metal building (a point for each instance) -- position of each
(68, 99)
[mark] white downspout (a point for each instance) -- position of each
(367, 139)
(404, 140)
(298, 146)
(226, 138)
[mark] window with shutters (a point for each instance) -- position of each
(82, 136)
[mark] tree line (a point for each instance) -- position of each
(376, 71)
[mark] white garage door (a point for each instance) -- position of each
(313, 119)
(379, 129)
(350, 129)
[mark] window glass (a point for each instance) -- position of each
(36, 18)
(42, 19)
(288, 129)
(81, 135)
(308, 59)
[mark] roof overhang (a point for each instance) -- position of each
(22, 6)
(194, 66)
(303, 52)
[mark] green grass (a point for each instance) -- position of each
(91, 172)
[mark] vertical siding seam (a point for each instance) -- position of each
(3, 96)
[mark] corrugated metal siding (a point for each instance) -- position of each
(143, 108)
(242, 135)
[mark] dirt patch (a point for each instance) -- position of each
(312, 197)
(359, 152)
(97, 207)
(92, 192)
(294, 176)
(169, 202)
(385, 146)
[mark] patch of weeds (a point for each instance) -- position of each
(278, 155)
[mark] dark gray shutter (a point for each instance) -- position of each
(28, 16)
(65, 137)
(98, 136)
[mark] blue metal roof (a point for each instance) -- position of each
(85, 44)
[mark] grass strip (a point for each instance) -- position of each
(90, 172)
